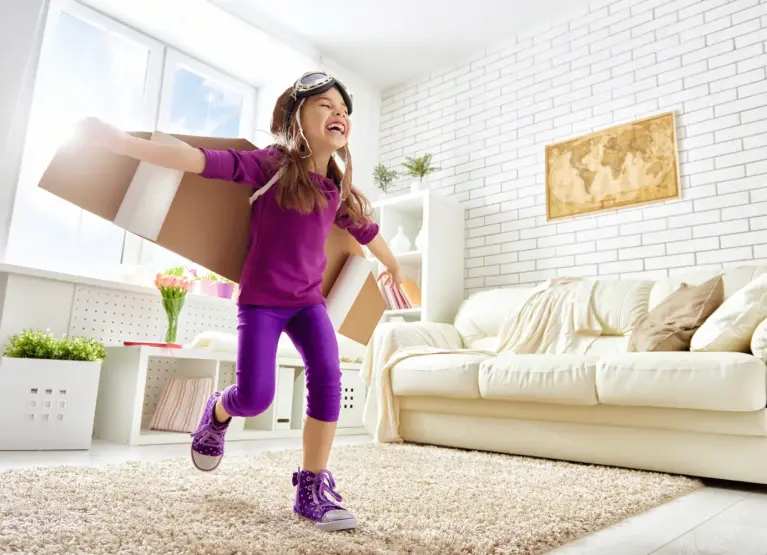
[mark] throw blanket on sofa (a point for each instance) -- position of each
(557, 317)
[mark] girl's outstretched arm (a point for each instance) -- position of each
(102, 135)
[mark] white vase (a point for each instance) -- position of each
(400, 243)
(416, 186)
(420, 241)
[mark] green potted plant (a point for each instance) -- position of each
(48, 391)
(384, 177)
(419, 168)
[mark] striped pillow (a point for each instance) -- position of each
(181, 405)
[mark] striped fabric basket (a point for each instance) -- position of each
(181, 405)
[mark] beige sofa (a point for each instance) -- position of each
(694, 413)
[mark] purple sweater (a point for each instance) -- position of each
(286, 258)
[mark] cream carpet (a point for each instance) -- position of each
(407, 499)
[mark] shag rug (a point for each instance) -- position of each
(407, 499)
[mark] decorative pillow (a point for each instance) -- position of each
(759, 341)
(671, 324)
(181, 405)
(730, 327)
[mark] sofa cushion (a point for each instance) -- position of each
(670, 325)
(734, 279)
(608, 345)
(731, 326)
(618, 303)
(683, 380)
(559, 379)
(443, 375)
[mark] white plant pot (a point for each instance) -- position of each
(47, 404)
(416, 186)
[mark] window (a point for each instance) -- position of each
(196, 100)
(92, 65)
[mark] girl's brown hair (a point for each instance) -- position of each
(296, 189)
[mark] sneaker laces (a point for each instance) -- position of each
(208, 436)
(323, 485)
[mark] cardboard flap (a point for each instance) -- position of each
(347, 288)
(150, 194)
(209, 219)
(339, 245)
(215, 143)
(365, 314)
(93, 179)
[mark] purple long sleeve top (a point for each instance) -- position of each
(286, 257)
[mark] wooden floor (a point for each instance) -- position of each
(722, 519)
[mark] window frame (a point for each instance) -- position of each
(176, 59)
(162, 60)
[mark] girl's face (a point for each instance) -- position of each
(325, 121)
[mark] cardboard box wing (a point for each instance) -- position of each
(354, 300)
(203, 220)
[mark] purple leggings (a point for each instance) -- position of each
(312, 333)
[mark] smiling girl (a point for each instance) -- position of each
(299, 193)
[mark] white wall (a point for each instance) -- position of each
(21, 31)
(488, 119)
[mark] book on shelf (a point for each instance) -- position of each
(399, 297)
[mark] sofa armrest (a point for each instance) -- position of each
(423, 334)
(388, 338)
(380, 412)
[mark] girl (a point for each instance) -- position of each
(282, 276)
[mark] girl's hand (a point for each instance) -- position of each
(395, 275)
(99, 134)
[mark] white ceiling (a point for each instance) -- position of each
(390, 41)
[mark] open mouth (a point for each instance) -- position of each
(337, 127)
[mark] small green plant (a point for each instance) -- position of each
(384, 177)
(210, 276)
(419, 167)
(42, 345)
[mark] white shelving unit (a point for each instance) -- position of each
(133, 378)
(439, 267)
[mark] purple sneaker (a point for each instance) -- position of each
(312, 501)
(208, 442)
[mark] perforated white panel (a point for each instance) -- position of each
(159, 371)
(226, 375)
(114, 316)
(352, 399)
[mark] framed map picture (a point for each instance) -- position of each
(629, 164)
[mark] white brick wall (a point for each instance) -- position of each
(488, 119)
